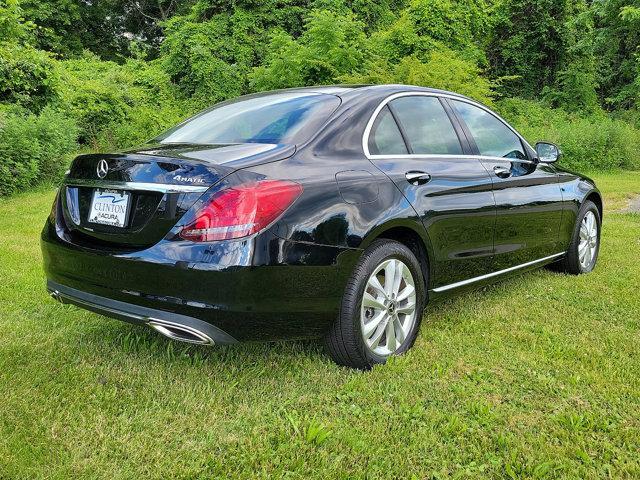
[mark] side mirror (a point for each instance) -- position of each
(547, 152)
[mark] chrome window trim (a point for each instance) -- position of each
(149, 187)
(374, 116)
(452, 157)
(495, 274)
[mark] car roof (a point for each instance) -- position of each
(385, 89)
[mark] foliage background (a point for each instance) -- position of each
(77, 76)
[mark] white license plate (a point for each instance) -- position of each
(109, 207)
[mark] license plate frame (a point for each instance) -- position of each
(112, 214)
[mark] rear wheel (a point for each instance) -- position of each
(381, 308)
(585, 243)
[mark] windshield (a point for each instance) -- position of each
(276, 118)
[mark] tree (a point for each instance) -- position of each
(27, 75)
(330, 47)
(617, 38)
(575, 84)
(334, 48)
(527, 44)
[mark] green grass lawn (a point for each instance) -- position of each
(535, 377)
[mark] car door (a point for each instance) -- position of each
(415, 143)
(527, 193)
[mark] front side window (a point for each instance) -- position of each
(493, 138)
(276, 118)
(385, 137)
(426, 125)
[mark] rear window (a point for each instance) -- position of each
(273, 118)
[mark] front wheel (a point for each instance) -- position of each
(585, 243)
(381, 307)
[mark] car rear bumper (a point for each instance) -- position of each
(193, 330)
(264, 288)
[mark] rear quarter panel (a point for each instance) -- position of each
(346, 201)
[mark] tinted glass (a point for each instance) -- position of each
(385, 137)
(276, 118)
(492, 137)
(426, 125)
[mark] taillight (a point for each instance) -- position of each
(241, 210)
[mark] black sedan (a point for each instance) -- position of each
(333, 212)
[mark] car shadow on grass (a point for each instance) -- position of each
(140, 341)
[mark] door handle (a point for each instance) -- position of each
(415, 177)
(502, 172)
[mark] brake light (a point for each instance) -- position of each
(241, 211)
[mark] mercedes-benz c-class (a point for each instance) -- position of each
(330, 212)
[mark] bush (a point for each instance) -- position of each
(447, 71)
(13, 26)
(209, 60)
(118, 106)
(33, 148)
(588, 142)
(27, 76)
(331, 47)
(335, 49)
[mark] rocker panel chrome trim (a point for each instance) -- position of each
(495, 274)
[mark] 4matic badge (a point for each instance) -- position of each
(180, 178)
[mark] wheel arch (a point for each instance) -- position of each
(417, 241)
(596, 198)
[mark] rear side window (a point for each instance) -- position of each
(493, 138)
(426, 125)
(385, 137)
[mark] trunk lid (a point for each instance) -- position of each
(142, 193)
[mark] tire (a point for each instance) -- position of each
(385, 307)
(574, 262)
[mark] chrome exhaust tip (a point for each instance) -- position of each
(55, 294)
(179, 332)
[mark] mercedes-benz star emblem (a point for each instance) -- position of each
(103, 168)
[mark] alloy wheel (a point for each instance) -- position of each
(588, 245)
(388, 311)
